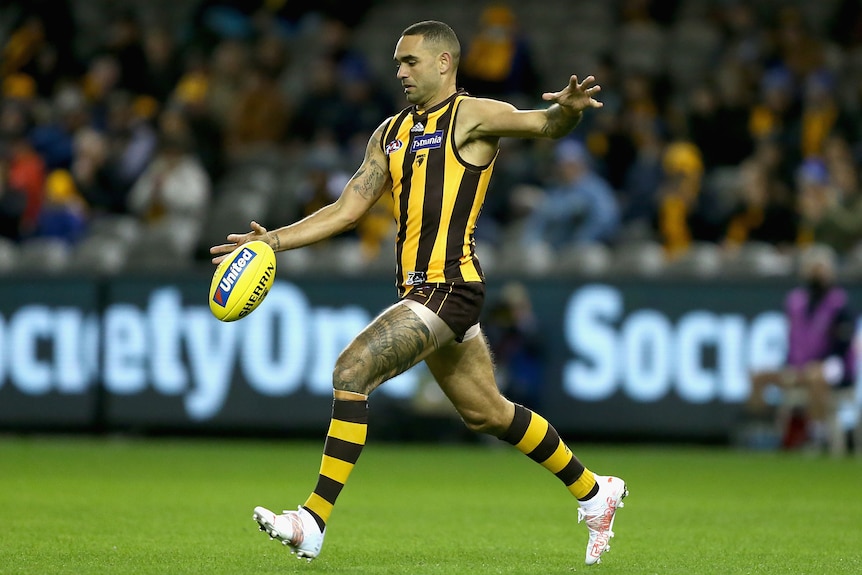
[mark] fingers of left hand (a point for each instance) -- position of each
(222, 249)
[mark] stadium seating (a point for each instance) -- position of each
(98, 255)
(43, 256)
(8, 256)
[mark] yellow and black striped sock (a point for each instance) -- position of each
(344, 443)
(533, 436)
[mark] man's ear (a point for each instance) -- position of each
(444, 63)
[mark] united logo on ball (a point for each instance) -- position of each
(242, 280)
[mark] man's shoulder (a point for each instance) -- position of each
(474, 111)
(383, 131)
(471, 103)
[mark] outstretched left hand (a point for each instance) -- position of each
(577, 96)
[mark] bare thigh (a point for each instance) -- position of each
(394, 342)
(465, 373)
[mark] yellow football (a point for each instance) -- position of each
(242, 280)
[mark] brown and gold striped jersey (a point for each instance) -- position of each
(437, 197)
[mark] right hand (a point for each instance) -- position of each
(258, 232)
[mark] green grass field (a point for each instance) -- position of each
(97, 506)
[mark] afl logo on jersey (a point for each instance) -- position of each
(393, 146)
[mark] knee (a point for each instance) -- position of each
(346, 375)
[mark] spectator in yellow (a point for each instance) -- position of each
(772, 114)
(22, 46)
(19, 87)
(678, 193)
(821, 114)
(64, 214)
(498, 61)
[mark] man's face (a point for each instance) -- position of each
(418, 69)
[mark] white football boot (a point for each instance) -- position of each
(296, 529)
(599, 512)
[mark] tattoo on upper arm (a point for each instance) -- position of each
(371, 175)
(392, 344)
(558, 123)
(369, 179)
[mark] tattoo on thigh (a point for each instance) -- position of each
(393, 343)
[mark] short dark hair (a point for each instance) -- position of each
(438, 33)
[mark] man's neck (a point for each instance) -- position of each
(437, 100)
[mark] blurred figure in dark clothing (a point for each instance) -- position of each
(719, 121)
(41, 44)
(516, 343)
(94, 175)
(763, 211)
(13, 201)
(163, 63)
(260, 114)
(639, 194)
(125, 44)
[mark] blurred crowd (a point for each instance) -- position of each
(150, 117)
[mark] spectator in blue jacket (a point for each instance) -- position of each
(581, 207)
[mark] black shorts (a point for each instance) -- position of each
(457, 304)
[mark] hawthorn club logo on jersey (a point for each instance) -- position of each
(427, 141)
